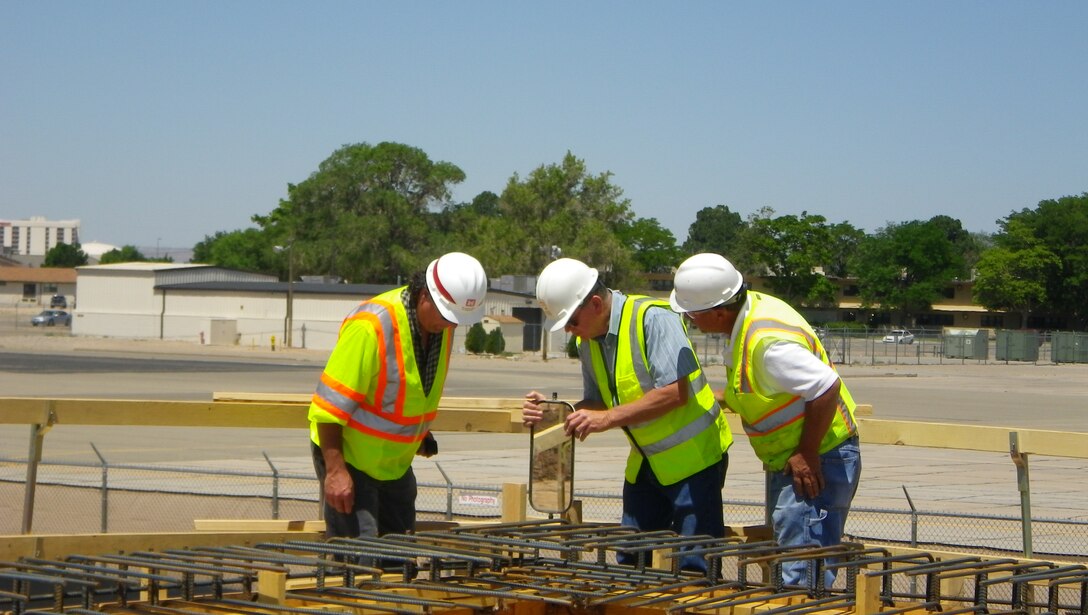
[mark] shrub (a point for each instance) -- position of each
(572, 347)
(476, 339)
(495, 343)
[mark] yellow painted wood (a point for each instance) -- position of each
(495, 415)
(57, 546)
(514, 498)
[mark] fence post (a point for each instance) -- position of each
(105, 514)
(275, 487)
(1023, 483)
(449, 491)
(33, 458)
(913, 537)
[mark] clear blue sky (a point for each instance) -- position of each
(168, 121)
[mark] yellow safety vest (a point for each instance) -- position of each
(683, 441)
(371, 385)
(774, 423)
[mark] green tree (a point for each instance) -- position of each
(905, 267)
(65, 255)
(563, 206)
(476, 339)
(363, 215)
(654, 246)
(845, 239)
(124, 254)
(1014, 276)
(495, 342)
(794, 250)
(1060, 227)
(716, 229)
(247, 249)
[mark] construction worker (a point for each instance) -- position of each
(641, 375)
(798, 414)
(379, 393)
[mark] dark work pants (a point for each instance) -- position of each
(381, 506)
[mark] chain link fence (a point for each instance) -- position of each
(93, 498)
(930, 346)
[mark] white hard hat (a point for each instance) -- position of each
(458, 286)
(704, 281)
(561, 288)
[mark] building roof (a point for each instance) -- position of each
(48, 275)
(367, 290)
(143, 266)
(503, 319)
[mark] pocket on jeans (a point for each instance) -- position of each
(818, 517)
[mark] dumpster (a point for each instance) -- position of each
(1069, 347)
(1017, 345)
(966, 344)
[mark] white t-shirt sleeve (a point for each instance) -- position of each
(792, 368)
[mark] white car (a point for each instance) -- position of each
(899, 336)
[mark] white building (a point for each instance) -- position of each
(212, 305)
(36, 236)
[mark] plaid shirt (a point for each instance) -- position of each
(426, 356)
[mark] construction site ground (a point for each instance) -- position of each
(1038, 396)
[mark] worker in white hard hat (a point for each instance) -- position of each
(797, 412)
(641, 375)
(379, 393)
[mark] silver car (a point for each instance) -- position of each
(49, 318)
(899, 336)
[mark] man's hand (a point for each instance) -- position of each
(531, 413)
(339, 490)
(808, 477)
(428, 446)
(583, 422)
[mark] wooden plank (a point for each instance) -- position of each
(58, 546)
(258, 525)
(973, 437)
(493, 421)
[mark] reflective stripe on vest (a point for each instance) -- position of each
(389, 416)
(774, 423)
(678, 444)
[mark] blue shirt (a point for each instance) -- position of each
(668, 348)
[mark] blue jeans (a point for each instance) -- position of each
(820, 520)
(690, 507)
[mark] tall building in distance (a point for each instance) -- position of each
(36, 236)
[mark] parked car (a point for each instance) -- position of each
(49, 318)
(899, 336)
(58, 301)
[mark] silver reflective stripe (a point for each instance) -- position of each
(786, 414)
(366, 418)
(377, 423)
(645, 382)
(336, 399)
(686, 433)
(392, 369)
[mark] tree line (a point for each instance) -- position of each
(378, 213)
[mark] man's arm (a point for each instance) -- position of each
(804, 463)
(652, 405)
(339, 488)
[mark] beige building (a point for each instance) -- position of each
(35, 287)
(36, 236)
